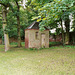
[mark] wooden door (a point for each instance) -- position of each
(43, 40)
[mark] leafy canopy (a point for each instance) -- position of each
(53, 11)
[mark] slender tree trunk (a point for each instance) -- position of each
(6, 37)
(18, 25)
(18, 30)
(74, 28)
(67, 25)
(62, 32)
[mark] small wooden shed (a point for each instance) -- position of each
(34, 38)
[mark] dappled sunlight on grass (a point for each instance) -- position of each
(51, 61)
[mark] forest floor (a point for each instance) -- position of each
(51, 61)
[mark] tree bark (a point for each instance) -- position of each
(6, 37)
(18, 30)
(18, 25)
(62, 32)
(67, 25)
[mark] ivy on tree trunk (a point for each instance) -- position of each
(6, 37)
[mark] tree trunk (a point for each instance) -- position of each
(6, 37)
(67, 25)
(62, 32)
(18, 30)
(18, 25)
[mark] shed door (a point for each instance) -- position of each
(43, 40)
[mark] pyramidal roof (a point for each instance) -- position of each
(35, 25)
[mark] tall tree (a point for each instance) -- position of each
(62, 31)
(67, 25)
(6, 37)
(15, 7)
(18, 23)
(4, 5)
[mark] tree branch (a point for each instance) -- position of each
(3, 4)
(17, 6)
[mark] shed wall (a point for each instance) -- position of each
(46, 38)
(33, 42)
(36, 43)
(27, 39)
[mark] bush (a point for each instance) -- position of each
(54, 43)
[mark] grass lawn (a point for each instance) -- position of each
(52, 61)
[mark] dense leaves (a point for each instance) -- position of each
(51, 12)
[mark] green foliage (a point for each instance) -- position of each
(33, 49)
(47, 12)
(25, 19)
(69, 46)
(0, 21)
(58, 31)
(1, 32)
(54, 43)
(13, 43)
(73, 22)
(51, 12)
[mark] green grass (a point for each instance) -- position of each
(15, 43)
(52, 61)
